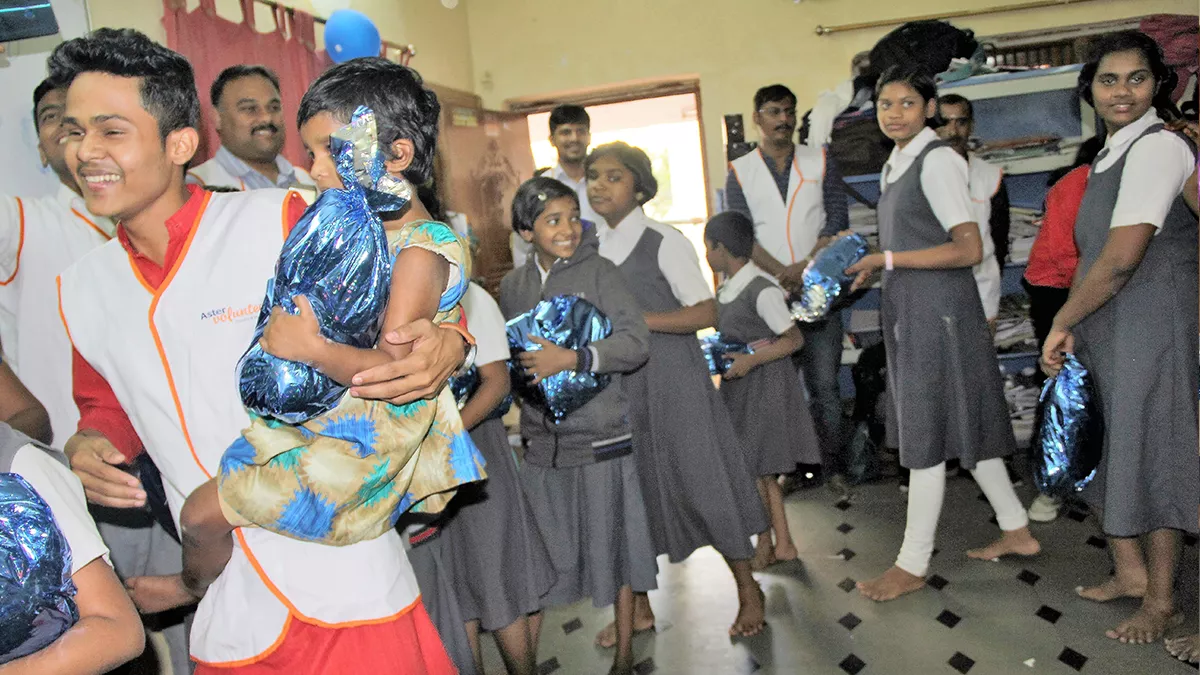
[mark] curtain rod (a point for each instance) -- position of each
(406, 51)
(1037, 4)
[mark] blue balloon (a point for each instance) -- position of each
(350, 34)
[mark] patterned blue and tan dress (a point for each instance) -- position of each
(348, 474)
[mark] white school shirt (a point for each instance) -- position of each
(770, 304)
(63, 493)
(486, 323)
(39, 239)
(676, 257)
(1155, 172)
(226, 170)
(943, 178)
(985, 180)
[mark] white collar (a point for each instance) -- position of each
(542, 272)
(560, 174)
(737, 283)
(1116, 144)
(902, 158)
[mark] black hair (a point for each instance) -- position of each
(569, 113)
(168, 85)
(955, 99)
(1133, 41)
(772, 93)
(428, 195)
(634, 159)
(45, 87)
(236, 73)
(920, 82)
(404, 108)
(734, 230)
(533, 196)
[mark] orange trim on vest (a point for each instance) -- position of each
(787, 223)
(266, 653)
(20, 242)
(297, 613)
(91, 224)
(162, 354)
(61, 314)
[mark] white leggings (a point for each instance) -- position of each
(927, 487)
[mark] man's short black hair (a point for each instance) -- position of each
(236, 73)
(569, 113)
(403, 106)
(168, 85)
(45, 87)
(955, 99)
(771, 94)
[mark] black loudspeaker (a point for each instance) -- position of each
(24, 19)
(735, 129)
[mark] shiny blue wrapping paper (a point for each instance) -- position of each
(464, 387)
(716, 347)
(1068, 434)
(825, 281)
(569, 322)
(37, 602)
(337, 256)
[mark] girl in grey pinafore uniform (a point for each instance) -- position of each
(1134, 320)
(943, 375)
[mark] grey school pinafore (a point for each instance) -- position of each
(1141, 349)
(942, 372)
(695, 483)
(767, 406)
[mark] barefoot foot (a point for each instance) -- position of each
(1147, 625)
(784, 553)
(890, 585)
(1113, 589)
(607, 637)
(1185, 648)
(622, 666)
(1013, 542)
(762, 559)
(751, 617)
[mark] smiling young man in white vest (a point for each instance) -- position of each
(250, 124)
(160, 317)
(793, 193)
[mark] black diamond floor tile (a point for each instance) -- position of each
(1048, 614)
(1028, 577)
(845, 528)
(572, 625)
(847, 585)
(1072, 658)
(645, 667)
(846, 554)
(852, 665)
(1076, 515)
(843, 505)
(948, 619)
(850, 621)
(548, 666)
(1097, 542)
(961, 662)
(937, 582)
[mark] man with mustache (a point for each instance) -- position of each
(251, 127)
(570, 134)
(793, 193)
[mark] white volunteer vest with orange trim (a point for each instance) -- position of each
(170, 359)
(211, 173)
(789, 229)
(55, 231)
(983, 182)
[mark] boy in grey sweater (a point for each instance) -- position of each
(579, 474)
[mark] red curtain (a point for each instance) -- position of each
(212, 44)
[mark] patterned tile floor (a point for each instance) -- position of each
(1014, 616)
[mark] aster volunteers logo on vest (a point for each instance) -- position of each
(232, 314)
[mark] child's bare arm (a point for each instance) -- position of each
(418, 279)
(108, 633)
(20, 409)
(779, 348)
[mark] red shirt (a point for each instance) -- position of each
(99, 409)
(1054, 256)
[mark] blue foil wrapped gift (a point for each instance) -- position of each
(569, 322)
(337, 256)
(464, 387)
(37, 602)
(715, 348)
(825, 282)
(1068, 433)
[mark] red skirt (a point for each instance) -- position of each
(407, 646)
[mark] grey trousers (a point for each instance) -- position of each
(819, 360)
(139, 546)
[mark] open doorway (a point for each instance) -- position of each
(668, 129)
